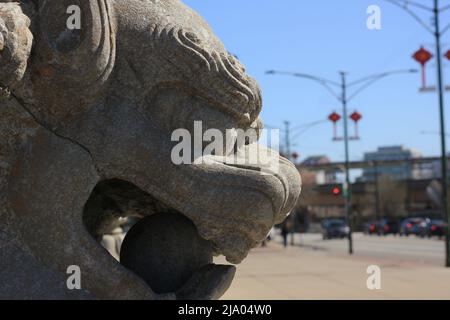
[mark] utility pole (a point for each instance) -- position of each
(344, 98)
(437, 33)
(287, 146)
(348, 185)
(287, 139)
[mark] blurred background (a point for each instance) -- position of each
(352, 87)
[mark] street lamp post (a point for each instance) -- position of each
(437, 33)
(347, 188)
(442, 124)
(287, 143)
(344, 98)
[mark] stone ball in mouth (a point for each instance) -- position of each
(165, 250)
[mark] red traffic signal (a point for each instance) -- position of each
(336, 191)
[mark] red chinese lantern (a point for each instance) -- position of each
(334, 117)
(423, 56)
(295, 156)
(447, 55)
(356, 117)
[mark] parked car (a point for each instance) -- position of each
(334, 229)
(433, 228)
(388, 226)
(371, 228)
(422, 227)
(411, 226)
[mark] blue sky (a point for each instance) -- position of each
(322, 37)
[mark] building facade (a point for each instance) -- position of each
(399, 172)
(320, 176)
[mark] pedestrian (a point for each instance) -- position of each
(285, 232)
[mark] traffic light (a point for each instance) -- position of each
(336, 191)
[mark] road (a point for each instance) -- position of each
(399, 249)
(315, 269)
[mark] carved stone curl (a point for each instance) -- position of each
(15, 46)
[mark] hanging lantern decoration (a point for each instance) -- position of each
(334, 117)
(447, 55)
(295, 156)
(423, 56)
(356, 117)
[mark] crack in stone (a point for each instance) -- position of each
(84, 148)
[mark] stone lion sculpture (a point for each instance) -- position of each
(86, 116)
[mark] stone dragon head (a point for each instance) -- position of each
(86, 117)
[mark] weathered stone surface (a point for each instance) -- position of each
(209, 283)
(86, 118)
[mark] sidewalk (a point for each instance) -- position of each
(303, 273)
